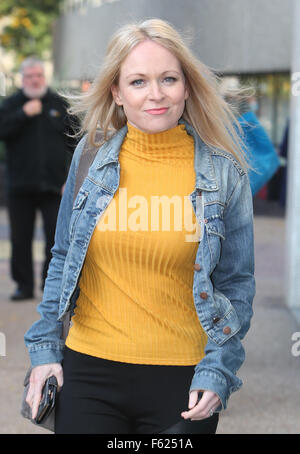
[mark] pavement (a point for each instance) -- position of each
(268, 402)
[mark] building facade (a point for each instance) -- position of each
(248, 39)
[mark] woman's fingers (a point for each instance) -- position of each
(29, 396)
(38, 377)
(193, 399)
(36, 401)
(209, 402)
(33, 397)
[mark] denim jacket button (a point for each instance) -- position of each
(203, 295)
(226, 330)
(197, 267)
(216, 319)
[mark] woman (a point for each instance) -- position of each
(161, 298)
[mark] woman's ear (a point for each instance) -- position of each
(116, 95)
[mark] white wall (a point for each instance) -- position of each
(292, 264)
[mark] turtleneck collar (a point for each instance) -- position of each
(172, 145)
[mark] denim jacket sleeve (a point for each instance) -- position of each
(234, 278)
(44, 338)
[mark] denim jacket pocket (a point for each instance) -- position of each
(77, 208)
(226, 323)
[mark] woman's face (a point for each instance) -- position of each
(151, 88)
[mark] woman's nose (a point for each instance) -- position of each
(155, 91)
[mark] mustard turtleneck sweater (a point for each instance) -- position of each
(136, 288)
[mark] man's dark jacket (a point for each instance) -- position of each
(38, 149)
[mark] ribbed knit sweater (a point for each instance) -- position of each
(136, 288)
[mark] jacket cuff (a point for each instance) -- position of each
(46, 355)
(212, 381)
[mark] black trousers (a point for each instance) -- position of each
(100, 396)
(22, 209)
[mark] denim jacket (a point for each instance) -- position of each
(223, 282)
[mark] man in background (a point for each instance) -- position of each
(34, 126)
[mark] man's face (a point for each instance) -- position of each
(34, 82)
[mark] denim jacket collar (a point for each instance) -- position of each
(204, 169)
(109, 152)
(205, 173)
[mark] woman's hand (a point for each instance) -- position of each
(204, 408)
(37, 380)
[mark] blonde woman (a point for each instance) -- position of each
(154, 259)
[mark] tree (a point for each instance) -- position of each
(29, 27)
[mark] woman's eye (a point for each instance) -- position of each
(170, 80)
(137, 82)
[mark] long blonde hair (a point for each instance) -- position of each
(205, 109)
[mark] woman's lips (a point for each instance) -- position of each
(160, 111)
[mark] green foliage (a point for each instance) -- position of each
(30, 25)
(45, 6)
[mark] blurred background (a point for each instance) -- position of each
(246, 42)
(249, 42)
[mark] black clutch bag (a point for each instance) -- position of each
(48, 399)
(46, 414)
